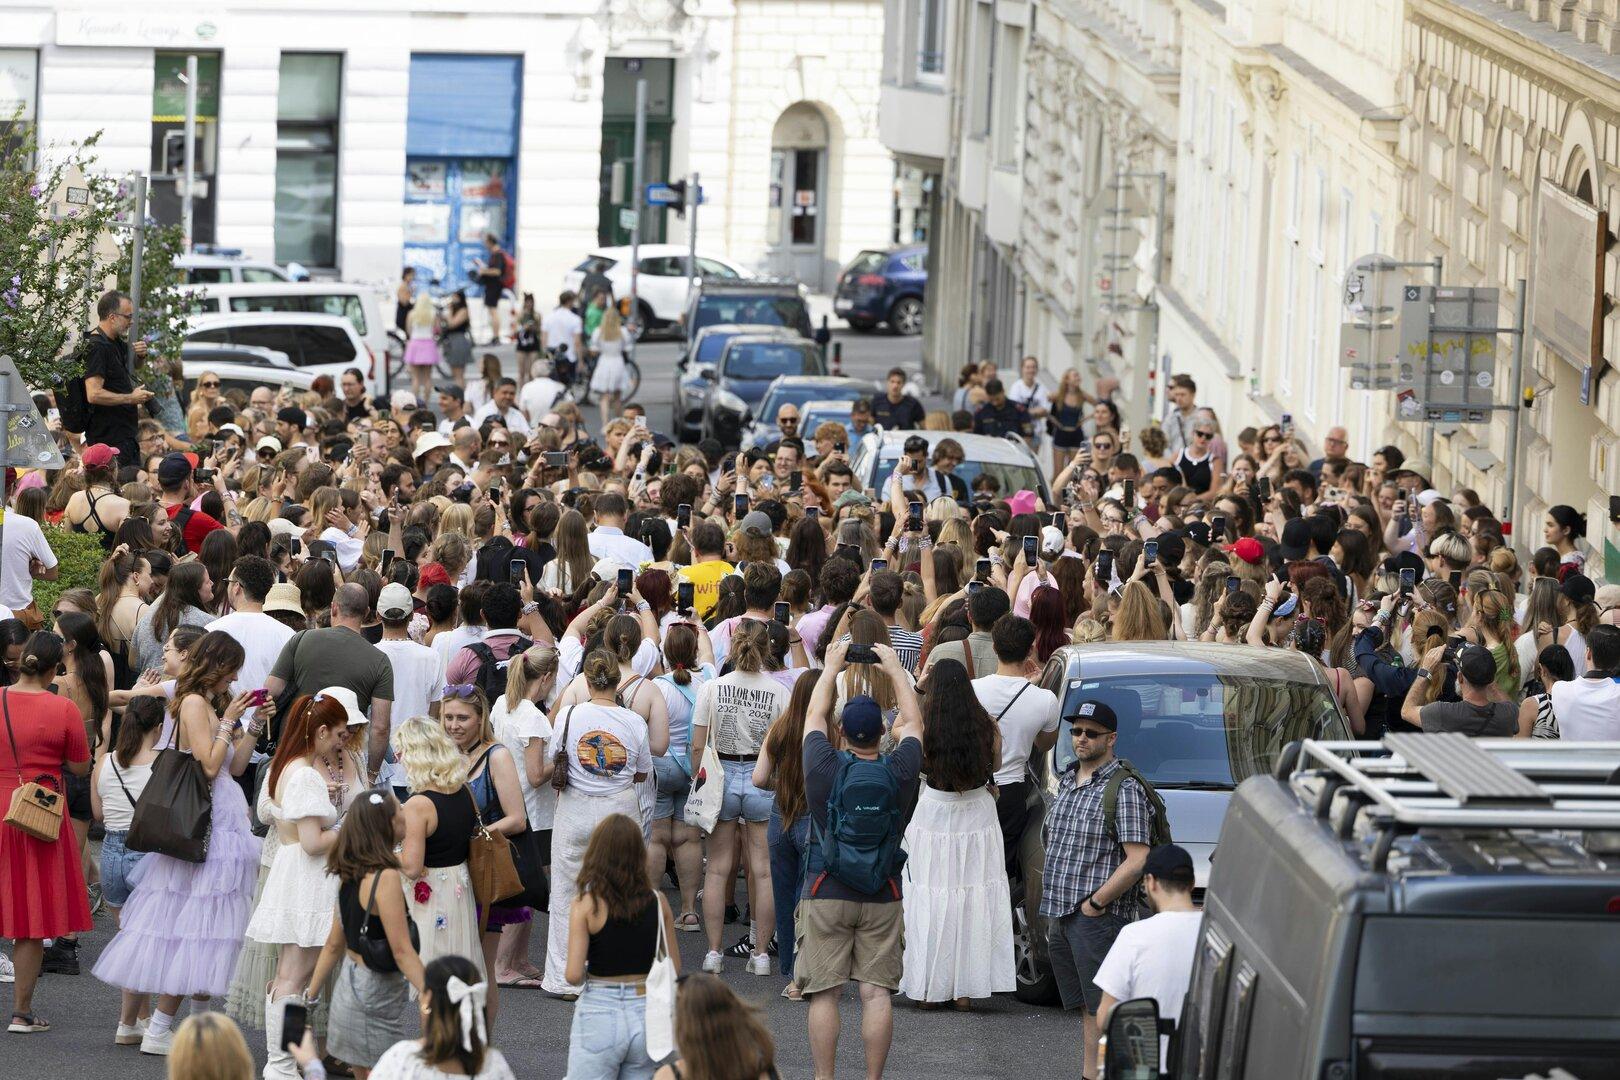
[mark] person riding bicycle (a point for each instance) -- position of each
(563, 336)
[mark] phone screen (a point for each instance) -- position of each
(914, 518)
(625, 577)
(740, 506)
(1614, 507)
(293, 1022)
(1030, 547)
(1232, 584)
(297, 546)
(1130, 498)
(1060, 522)
(387, 560)
(1265, 489)
(1150, 551)
(783, 612)
(514, 571)
(812, 511)
(1217, 527)
(982, 569)
(1105, 565)
(1456, 579)
(556, 459)
(1408, 579)
(879, 564)
(795, 480)
(974, 586)
(683, 516)
(684, 595)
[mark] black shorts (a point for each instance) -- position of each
(78, 796)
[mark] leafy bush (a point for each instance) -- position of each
(78, 557)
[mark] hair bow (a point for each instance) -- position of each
(460, 690)
(470, 1001)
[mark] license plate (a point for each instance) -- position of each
(843, 305)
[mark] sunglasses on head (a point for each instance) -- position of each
(461, 691)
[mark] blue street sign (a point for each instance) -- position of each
(665, 195)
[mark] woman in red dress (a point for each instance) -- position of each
(41, 886)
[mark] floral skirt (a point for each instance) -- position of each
(441, 901)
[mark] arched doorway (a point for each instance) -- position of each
(796, 225)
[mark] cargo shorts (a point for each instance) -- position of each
(836, 941)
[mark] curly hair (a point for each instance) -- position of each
(212, 662)
(958, 734)
(432, 761)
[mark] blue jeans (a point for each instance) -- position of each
(117, 863)
(608, 1040)
(788, 848)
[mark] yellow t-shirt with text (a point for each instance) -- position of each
(705, 579)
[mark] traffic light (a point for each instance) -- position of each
(679, 188)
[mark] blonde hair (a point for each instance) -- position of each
(536, 663)
(422, 313)
(609, 326)
(944, 508)
(1088, 631)
(432, 761)
(1138, 617)
(457, 518)
(938, 420)
(209, 1046)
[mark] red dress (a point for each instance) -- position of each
(41, 886)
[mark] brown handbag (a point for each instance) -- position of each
(489, 864)
(35, 809)
(559, 760)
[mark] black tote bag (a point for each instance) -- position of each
(176, 810)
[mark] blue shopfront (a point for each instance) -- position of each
(461, 153)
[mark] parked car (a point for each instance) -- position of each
(662, 284)
(319, 344)
(242, 367)
(1196, 719)
(884, 287)
(746, 368)
(1428, 906)
(760, 302)
(797, 390)
(693, 371)
(362, 305)
(223, 268)
(1010, 461)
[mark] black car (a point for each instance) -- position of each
(745, 371)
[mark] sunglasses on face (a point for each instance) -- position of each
(1203, 434)
(209, 385)
(1089, 733)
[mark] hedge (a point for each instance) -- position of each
(78, 556)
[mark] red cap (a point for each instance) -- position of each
(433, 574)
(1249, 550)
(99, 455)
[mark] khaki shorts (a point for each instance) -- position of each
(835, 941)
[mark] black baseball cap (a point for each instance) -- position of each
(1477, 665)
(1098, 712)
(1169, 861)
(293, 416)
(1296, 539)
(176, 468)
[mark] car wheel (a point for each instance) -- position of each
(906, 317)
(1032, 968)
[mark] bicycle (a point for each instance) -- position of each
(576, 375)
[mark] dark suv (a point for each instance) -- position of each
(760, 303)
(884, 286)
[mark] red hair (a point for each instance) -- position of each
(1049, 615)
(307, 716)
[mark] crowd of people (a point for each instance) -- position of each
(360, 645)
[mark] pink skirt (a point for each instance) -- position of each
(422, 352)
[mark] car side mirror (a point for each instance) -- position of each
(707, 373)
(1130, 1046)
(680, 365)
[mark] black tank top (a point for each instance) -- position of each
(447, 845)
(352, 913)
(625, 946)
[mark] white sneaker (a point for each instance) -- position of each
(155, 1044)
(759, 964)
(130, 1034)
(714, 963)
(7, 972)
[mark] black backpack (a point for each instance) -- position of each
(491, 675)
(72, 402)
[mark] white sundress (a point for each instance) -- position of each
(295, 907)
(610, 376)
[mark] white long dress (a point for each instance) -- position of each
(610, 376)
(958, 911)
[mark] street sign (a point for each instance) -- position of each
(669, 195)
(1367, 340)
(28, 443)
(1447, 365)
(627, 217)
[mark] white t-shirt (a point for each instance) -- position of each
(738, 709)
(22, 540)
(1032, 397)
(571, 657)
(454, 640)
(1588, 710)
(261, 638)
(513, 418)
(517, 728)
(538, 395)
(1035, 711)
(418, 682)
(609, 542)
(1153, 958)
(559, 327)
(607, 746)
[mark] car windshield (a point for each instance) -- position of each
(748, 310)
(767, 361)
(1204, 728)
(798, 395)
(712, 345)
(867, 262)
(1011, 477)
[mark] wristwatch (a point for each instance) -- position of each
(1424, 673)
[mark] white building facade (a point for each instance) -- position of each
(364, 136)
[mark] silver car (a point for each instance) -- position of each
(1195, 719)
(1010, 461)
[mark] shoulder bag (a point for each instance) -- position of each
(35, 809)
(176, 809)
(489, 864)
(527, 856)
(559, 760)
(377, 954)
(660, 1023)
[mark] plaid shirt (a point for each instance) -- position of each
(1080, 856)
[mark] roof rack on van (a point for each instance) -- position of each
(1411, 781)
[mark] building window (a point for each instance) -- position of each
(307, 158)
(930, 40)
(981, 72)
(169, 141)
(1009, 94)
(19, 88)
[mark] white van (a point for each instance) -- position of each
(316, 344)
(360, 304)
(212, 268)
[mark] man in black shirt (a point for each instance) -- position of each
(1000, 415)
(897, 410)
(109, 388)
(492, 278)
(356, 405)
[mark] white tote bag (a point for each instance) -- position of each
(708, 791)
(660, 1033)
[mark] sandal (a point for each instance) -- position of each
(689, 921)
(792, 993)
(27, 1024)
(520, 981)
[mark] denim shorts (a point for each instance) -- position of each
(742, 798)
(117, 863)
(1077, 944)
(674, 785)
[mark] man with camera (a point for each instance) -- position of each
(1479, 713)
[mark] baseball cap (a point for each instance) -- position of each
(292, 415)
(1249, 550)
(1098, 712)
(268, 445)
(1429, 496)
(862, 719)
(176, 468)
(284, 596)
(1296, 539)
(402, 401)
(1476, 665)
(429, 440)
(280, 527)
(395, 602)
(851, 498)
(1169, 861)
(1579, 588)
(607, 568)
(1052, 540)
(99, 455)
(756, 523)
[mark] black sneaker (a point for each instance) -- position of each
(744, 946)
(770, 948)
(62, 958)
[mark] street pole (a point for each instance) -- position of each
(691, 227)
(636, 196)
(138, 249)
(191, 151)
(1438, 268)
(1515, 417)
